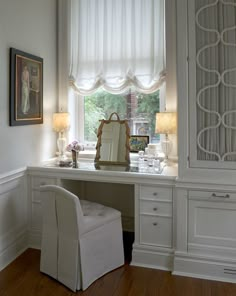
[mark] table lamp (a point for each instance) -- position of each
(166, 124)
(61, 123)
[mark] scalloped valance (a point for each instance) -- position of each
(115, 44)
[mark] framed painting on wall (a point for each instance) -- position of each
(26, 88)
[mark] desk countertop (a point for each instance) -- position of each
(111, 173)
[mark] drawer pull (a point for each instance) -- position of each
(154, 223)
(220, 196)
(42, 183)
(155, 209)
(155, 193)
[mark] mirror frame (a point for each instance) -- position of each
(99, 141)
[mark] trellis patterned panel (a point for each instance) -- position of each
(215, 22)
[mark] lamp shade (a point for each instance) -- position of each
(61, 121)
(166, 123)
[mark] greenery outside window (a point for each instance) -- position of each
(138, 108)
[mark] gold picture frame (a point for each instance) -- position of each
(26, 88)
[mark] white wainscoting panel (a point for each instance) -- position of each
(13, 216)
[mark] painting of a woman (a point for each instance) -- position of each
(25, 89)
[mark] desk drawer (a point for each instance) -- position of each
(220, 196)
(39, 181)
(156, 208)
(36, 182)
(156, 231)
(155, 193)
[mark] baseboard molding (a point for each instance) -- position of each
(158, 258)
(205, 268)
(14, 250)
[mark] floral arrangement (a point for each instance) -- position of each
(75, 146)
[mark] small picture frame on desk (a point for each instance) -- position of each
(26, 88)
(138, 143)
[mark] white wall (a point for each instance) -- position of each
(30, 26)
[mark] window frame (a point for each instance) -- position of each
(77, 125)
(63, 67)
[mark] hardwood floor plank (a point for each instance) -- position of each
(23, 278)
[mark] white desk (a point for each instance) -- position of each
(185, 227)
(148, 196)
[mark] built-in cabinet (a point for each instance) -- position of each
(211, 216)
(206, 79)
(204, 216)
(205, 234)
(212, 82)
(153, 209)
(187, 228)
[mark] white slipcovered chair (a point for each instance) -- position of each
(81, 240)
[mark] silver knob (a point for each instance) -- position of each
(155, 193)
(155, 209)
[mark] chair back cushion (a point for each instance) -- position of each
(68, 226)
(67, 215)
(68, 211)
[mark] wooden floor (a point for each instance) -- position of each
(22, 278)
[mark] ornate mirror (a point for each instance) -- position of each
(113, 141)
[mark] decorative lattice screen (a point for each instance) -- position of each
(216, 79)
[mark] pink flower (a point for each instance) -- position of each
(75, 145)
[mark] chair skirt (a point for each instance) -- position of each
(101, 251)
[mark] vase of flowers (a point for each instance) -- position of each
(74, 147)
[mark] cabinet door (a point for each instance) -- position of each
(212, 223)
(212, 83)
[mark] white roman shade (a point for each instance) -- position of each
(115, 44)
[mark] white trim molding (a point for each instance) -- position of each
(204, 267)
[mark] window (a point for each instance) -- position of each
(97, 59)
(140, 110)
